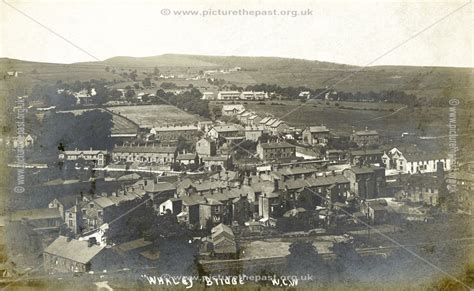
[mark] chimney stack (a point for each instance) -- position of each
(276, 184)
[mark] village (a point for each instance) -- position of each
(240, 187)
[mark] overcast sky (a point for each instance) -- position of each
(350, 32)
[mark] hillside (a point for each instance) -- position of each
(426, 82)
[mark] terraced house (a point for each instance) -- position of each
(275, 150)
(98, 157)
(412, 161)
(148, 154)
(172, 133)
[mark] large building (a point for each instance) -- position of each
(365, 137)
(316, 135)
(232, 109)
(226, 131)
(228, 95)
(412, 161)
(366, 157)
(206, 147)
(98, 157)
(253, 133)
(144, 154)
(366, 181)
(251, 95)
(172, 133)
(276, 150)
(208, 96)
(67, 255)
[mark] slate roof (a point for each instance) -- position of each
(366, 152)
(316, 182)
(144, 149)
(35, 214)
(175, 128)
(265, 120)
(276, 145)
(74, 250)
(318, 129)
(366, 132)
(227, 128)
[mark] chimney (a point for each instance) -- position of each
(91, 241)
(276, 183)
(440, 170)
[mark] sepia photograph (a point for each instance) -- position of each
(236, 145)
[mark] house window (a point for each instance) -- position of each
(99, 213)
(91, 205)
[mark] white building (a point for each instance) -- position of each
(96, 156)
(414, 161)
(228, 95)
(208, 96)
(251, 95)
(233, 109)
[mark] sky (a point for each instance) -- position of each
(421, 33)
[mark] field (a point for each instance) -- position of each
(155, 115)
(121, 125)
(389, 119)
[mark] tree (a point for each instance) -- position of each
(107, 69)
(146, 82)
(156, 71)
(129, 94)
(347, 258)
(168, 85)
(304, 259)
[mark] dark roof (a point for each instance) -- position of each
(132, 245)
(186, 156)
(318, 129)
(377, 204)
(276, 145)
(366, 132)
(316, 182)
(74, 250)
(366, 152)
(159, 187)
(363, 169)
(144, 149)
(35, 214)
(193, 200)
(68, 200)
(216, 158)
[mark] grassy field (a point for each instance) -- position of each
(121, 125)
(155, 115)
(426, 82)
(422, 121)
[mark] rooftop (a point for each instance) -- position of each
(144, 149)
(276, 145)
(75, 250)
(175, 128)
(318, 129)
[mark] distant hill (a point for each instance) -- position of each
(426, 82)
(251, 63)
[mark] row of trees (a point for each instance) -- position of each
(391, 96)
(62, 94)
